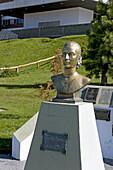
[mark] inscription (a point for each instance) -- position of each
(91, 95)
(105, 96)
(54, 142)
(102, 114)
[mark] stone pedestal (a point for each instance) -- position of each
(22, 138)
(104, 125)
(65, 138)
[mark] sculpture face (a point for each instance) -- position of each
(70, 53)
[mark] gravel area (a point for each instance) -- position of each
(7, 163)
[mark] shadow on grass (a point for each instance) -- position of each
(12, 116)
(5, 146)
(8, 86)
(9, 116)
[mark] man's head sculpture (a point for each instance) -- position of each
(72, 51)
(70, 82)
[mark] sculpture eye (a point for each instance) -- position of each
(71, 54)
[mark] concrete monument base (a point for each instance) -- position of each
(65, 138)
(22, 138)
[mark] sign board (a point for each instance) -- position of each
(54, 142)
(101, 96)
(102, 114)
(91, 94)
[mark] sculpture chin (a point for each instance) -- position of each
(68, 66)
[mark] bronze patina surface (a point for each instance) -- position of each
(70, 82)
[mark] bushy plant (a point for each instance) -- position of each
(56, 68)
(99, 54)
(57, 64)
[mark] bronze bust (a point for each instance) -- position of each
(70, 82)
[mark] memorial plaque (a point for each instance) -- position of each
(102, 114)
(54, 142)
(91, 95)
(105, 96)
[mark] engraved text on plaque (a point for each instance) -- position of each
(54, 142)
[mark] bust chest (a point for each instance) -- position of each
(65, 85)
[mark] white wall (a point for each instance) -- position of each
(105, 134)
(68, 16)
(103, 0)
(85, 15)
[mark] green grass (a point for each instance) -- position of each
(20, 95)
(16, 52)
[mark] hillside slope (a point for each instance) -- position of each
(21, 96)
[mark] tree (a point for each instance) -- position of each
(98, 58)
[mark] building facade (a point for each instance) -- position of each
(8, 22)
(61, 17)
(45, 13)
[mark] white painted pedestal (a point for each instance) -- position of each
(105, 134)
(82, 146)
(22, 138)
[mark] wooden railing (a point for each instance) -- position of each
(36, 62)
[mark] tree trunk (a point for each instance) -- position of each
(104, 80)
(104, 76)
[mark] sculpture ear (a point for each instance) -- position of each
(79, 62)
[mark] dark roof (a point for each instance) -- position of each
(19, 12)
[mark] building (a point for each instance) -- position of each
(8, 22)
(48, 13)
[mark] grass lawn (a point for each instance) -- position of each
(20, 95)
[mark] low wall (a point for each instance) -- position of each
(6, 35)
(46, 32)
(53, 31)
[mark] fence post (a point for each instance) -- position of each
(17, 70)
(37, 65)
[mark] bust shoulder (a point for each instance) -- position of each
(83, 80)
(57, 77)
(68, 85)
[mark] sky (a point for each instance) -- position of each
(103, 0)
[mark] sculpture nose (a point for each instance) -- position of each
(67, 56)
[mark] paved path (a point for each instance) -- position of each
(7, 163)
